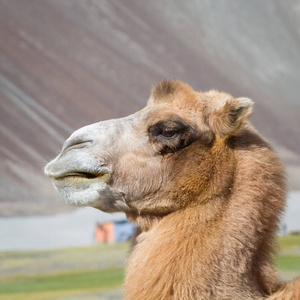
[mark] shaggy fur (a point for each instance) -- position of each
(205, 190)
(218, 245)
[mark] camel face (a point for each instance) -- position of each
(138, 163)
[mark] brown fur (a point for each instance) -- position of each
(204, 188)
(227, 197)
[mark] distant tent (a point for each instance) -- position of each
(113, 232)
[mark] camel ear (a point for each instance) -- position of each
(229, 119)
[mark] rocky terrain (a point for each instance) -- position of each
(65, 64)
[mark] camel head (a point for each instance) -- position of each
(157, 160)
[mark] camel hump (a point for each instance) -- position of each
(289, 291)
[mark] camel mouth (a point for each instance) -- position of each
(80, 175)
(88, 188)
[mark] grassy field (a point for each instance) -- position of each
(69, 284)
(75, 273)
(288, 262)
(89, 273)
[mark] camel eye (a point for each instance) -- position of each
(168, 132)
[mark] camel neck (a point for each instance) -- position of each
(193, 254)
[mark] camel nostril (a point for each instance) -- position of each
(77, 144)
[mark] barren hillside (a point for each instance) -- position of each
(65, 64)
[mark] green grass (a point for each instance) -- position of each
(91, 272)
(289, 243)
(288, 261)
(33, 262)
(68, 281)
(62, 273)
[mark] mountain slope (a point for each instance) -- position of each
(65, 64)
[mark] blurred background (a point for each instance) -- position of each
(68, 63)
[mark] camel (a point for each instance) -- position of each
(205, 190)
